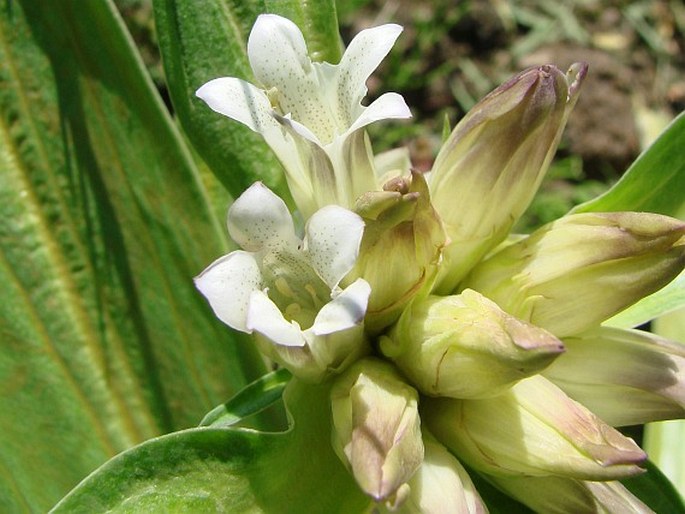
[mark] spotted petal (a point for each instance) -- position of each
(362, 57)
(345, 311)
(240, 101)
(259, 219)
(265, 317)
(279, 59)
(227, 284)
(332, 240)
(387, 106)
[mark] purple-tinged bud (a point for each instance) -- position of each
(489, 169)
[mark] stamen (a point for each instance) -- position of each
(312, 292)
(282, 286)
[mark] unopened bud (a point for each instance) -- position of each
(488, 171)
(578, 271)
(376, 427)
(399, 222)
(533, 429)
(559, 494)
(626, 377)
(465, 346)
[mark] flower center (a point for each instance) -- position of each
(294, 286)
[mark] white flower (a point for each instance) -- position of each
(310, 113)
(285, 290)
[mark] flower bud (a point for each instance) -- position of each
(465, 346)
(558, 495)
(626, 377)
(539, 431)
(441, 485)
(376, 427)
(489, 169)
(400, 249)
(578, 271)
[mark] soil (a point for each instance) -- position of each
(636, 53)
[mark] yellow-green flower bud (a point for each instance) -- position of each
(465, 346)
(489, 169)
(376, 427)
(441, 485)
(626, 377)
(533, 429)
(578, 271)
(400, 249)
(558, 495)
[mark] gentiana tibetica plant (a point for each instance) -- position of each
(431, 357)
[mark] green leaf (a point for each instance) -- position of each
(230, 470)
(655, 182)
(104, 341)
(654, 489)
(664, 301)
(254, 398)
(204, 40)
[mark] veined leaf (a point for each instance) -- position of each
(655, 182)
(230, 470)
(104, 341)
(204, 40)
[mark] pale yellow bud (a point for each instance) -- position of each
(489, 169)
(558, 495)
(532, 429)
(626, 377)
(400, 249)
(465, 346)
(376, 427)
(441, 485)
(578, 271)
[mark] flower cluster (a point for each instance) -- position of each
(444, 342)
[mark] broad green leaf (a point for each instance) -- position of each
(230, 470)
(664, 301)
(655, 182)
(204, 40)
(254, 398)
(103, 340)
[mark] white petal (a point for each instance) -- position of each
(239, 100)
(259, 218)
(345, 311)
(227, 284)
(333, 236)
(362, 57)
(265, 317)
(279, 59)
(299, 129)
(275, 48)
(385, 107)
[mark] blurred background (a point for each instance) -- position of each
(453, 52)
